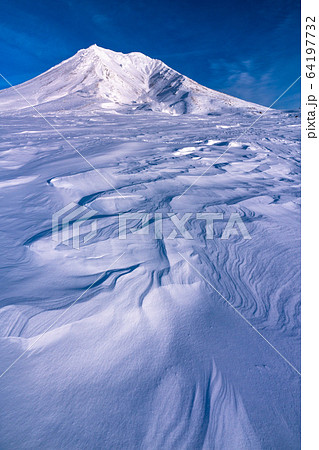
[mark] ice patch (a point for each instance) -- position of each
(184, 151)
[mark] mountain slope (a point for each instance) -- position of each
(100, 78)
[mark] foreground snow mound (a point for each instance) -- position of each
(100, 78)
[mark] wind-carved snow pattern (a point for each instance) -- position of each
(150, 356)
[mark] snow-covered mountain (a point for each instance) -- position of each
(96, 77)
(163, 340)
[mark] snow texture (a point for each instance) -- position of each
(151, 356)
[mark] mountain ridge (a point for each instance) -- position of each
(100, 78)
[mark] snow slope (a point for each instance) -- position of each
(131, 344)
(96, 77)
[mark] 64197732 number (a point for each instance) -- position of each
(312, 101)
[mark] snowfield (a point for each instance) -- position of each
(145, 343)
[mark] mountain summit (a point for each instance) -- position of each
(98, 78)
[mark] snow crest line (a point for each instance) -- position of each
(242, 134)
(59, 133)
(65, 311)
(243, 317)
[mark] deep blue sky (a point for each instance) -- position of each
(248, 48)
